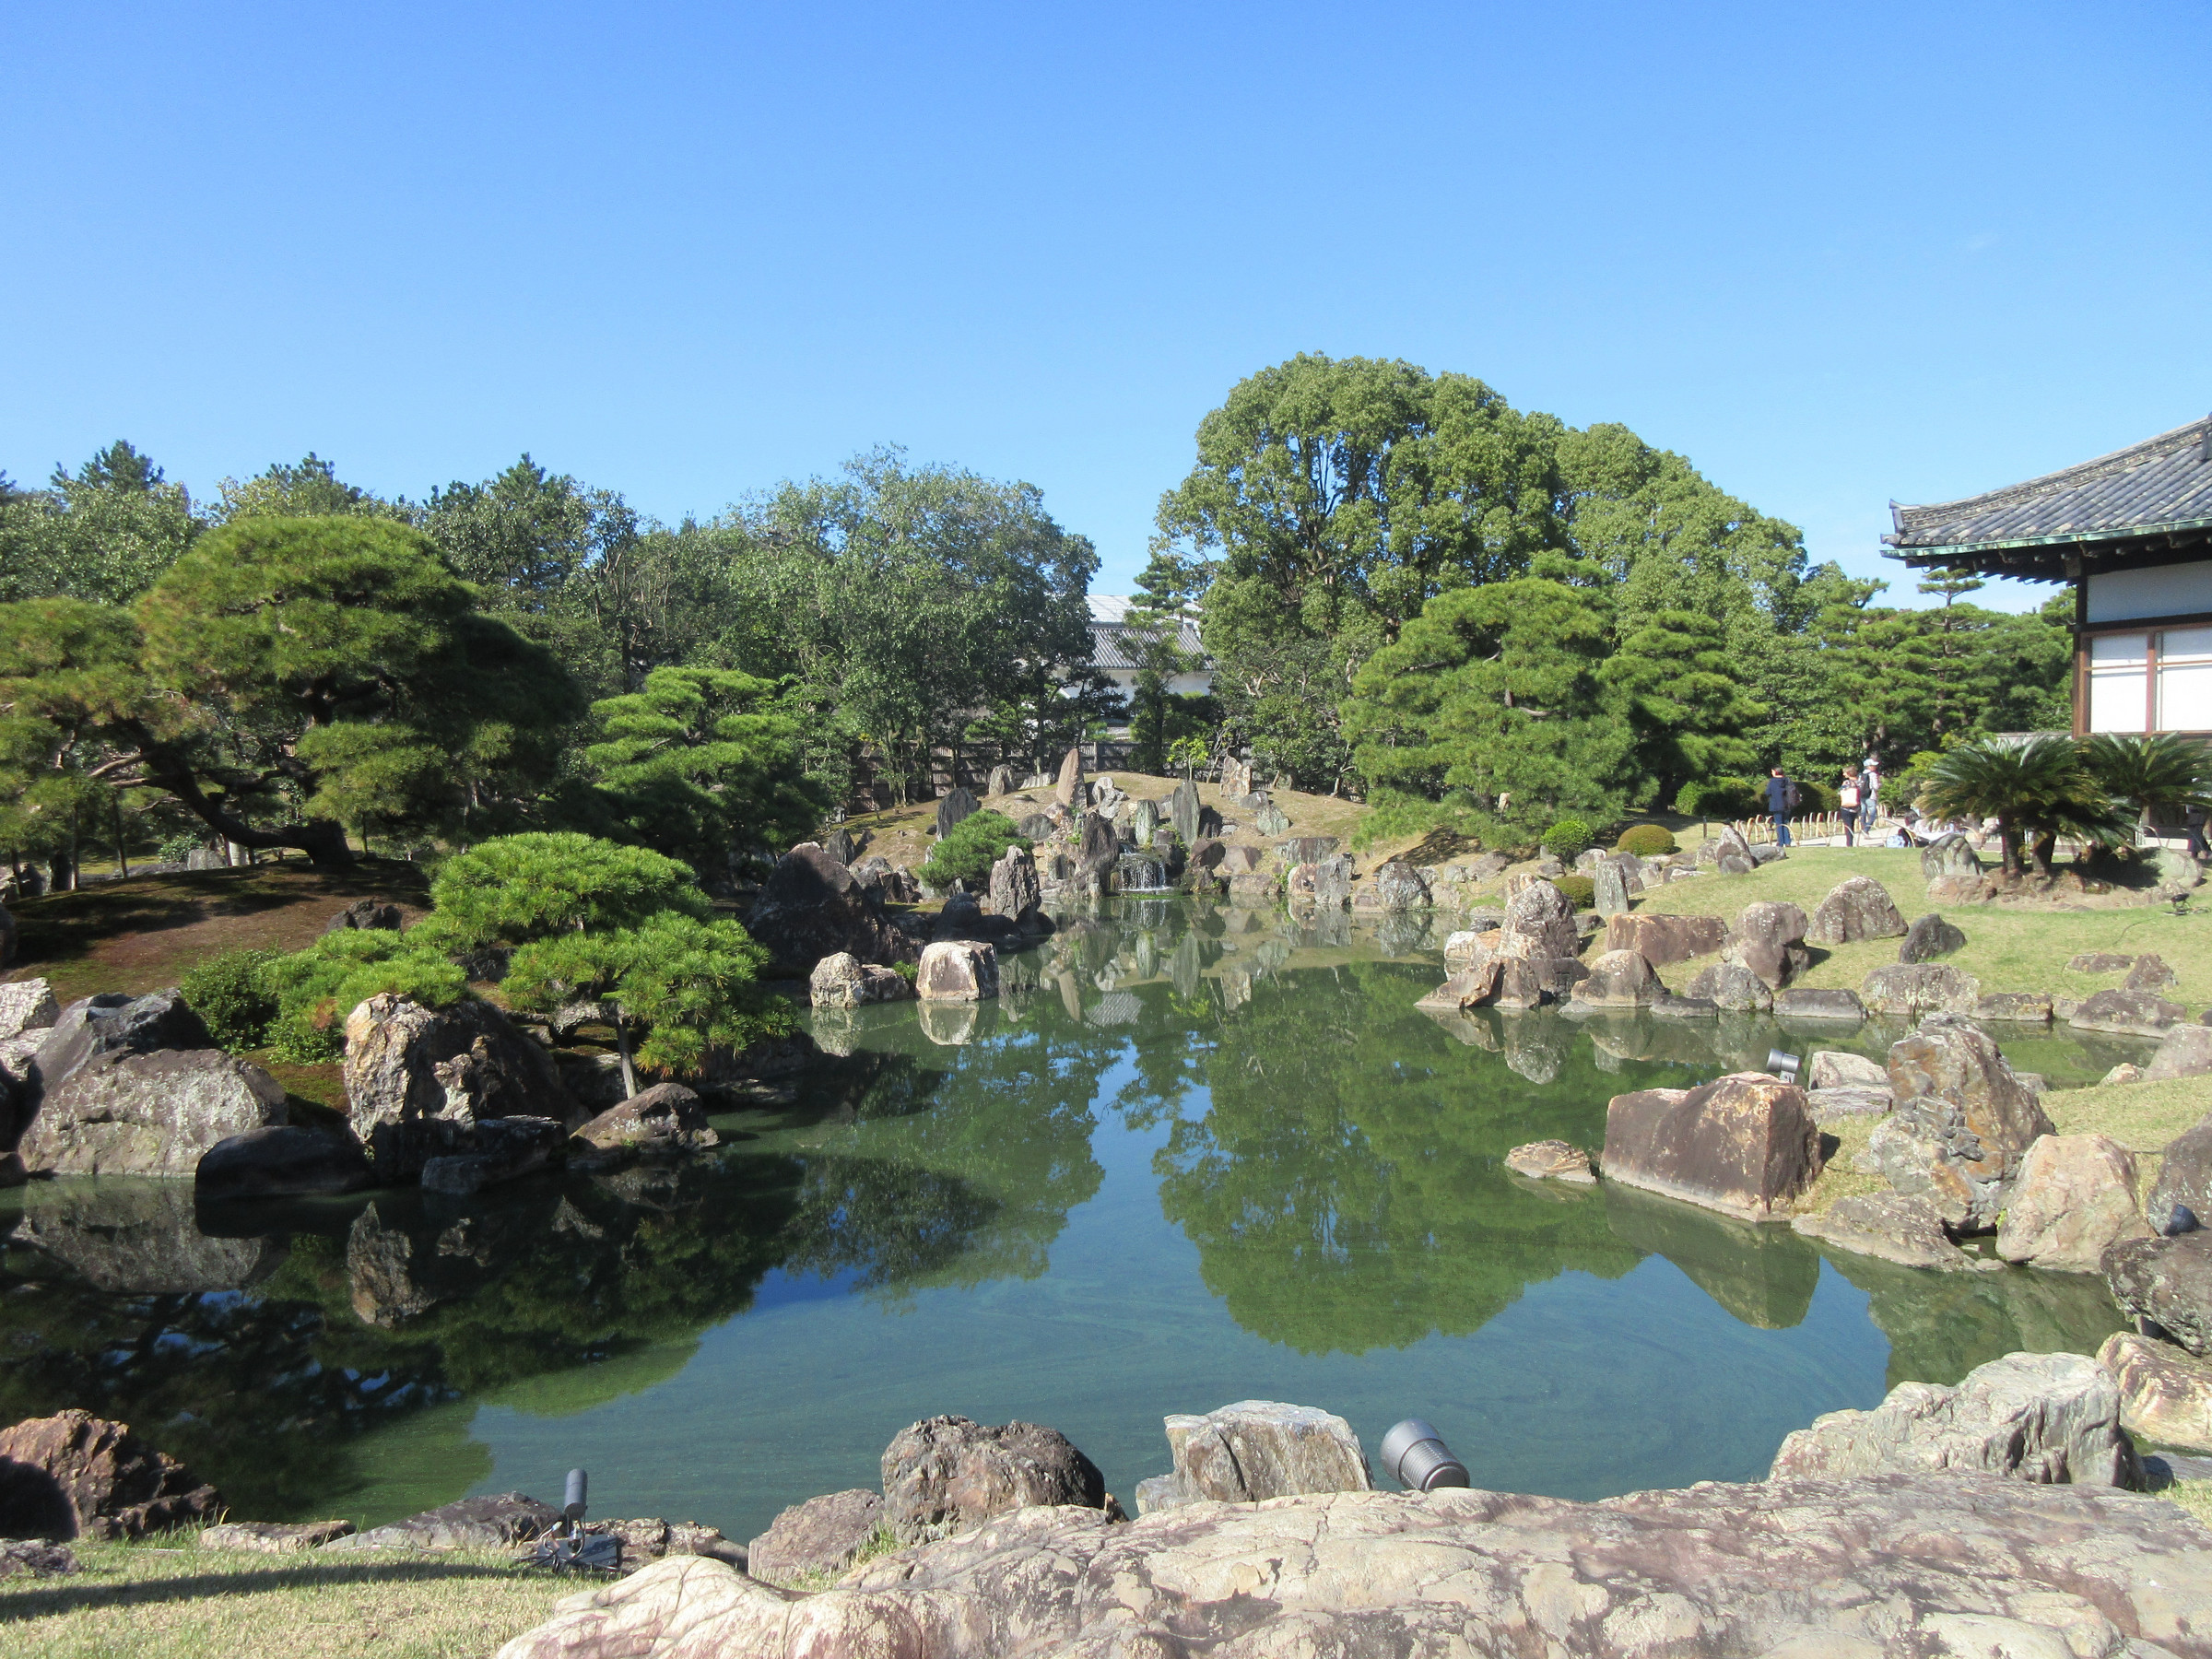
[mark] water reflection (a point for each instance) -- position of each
(1328, 1157)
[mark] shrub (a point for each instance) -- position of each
(1718, 798)
(1580, 890)
(316, 988)
(231, 993)
(1568, 840)
(1646, 841)
(967, 854)
(178, 847)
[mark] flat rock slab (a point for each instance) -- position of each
(821, 1535)
(35, 1558)
(1966, 1564)
(1744, 1145)
(1260, 1449)
(488, 1523)
(2049, 1419)
(1551, 1160)
(1801, 1007)
(273, 1537)
(2129, 1013)
(2165, 1392)
(1890, 1226)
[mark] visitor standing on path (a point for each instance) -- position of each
(1847, 800)
(1870, 794)
(2193, 818)
(1781, 801)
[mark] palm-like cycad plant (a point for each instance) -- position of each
(2037, 788)
(2161, 772)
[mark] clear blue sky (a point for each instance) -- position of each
(1834, 254)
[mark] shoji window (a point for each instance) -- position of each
(2119, 682)
(2184, 681)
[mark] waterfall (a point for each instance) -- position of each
(1140, 873)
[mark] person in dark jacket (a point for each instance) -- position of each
(2194, 817)
(1781, 800)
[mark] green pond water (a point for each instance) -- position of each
(1190, 1157)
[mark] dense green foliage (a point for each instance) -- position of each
(316, 988)
(976, 844)
(232, 994)
(1646, 841)
(2037, 788)
(1578, 890)
(1568, 838)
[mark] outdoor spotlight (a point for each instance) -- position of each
(1783, 1065)
(2183, 1220)
(1416, 1455)
(571, 1506)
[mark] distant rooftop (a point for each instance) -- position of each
(1112, 644)
(2147, 504)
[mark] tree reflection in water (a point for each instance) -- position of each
(1333, 1156)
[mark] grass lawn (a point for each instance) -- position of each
(2007, 948)
(169, 1598)
(141, 934)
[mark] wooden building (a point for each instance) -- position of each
(2132, 533)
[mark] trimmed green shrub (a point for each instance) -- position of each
(316, 988)
(967, 855)
(1646, 841)
(1580, 890)
(1719, 798)
(231, 993)
(1568, 840)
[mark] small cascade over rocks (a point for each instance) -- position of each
(1140, 873)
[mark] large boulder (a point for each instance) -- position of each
(1539, 922)
(1185, 812)
(1889, 1227)
(366, 915)
(2075, 1196)
(666, 1120)
(1746, 1144)
(1014, 892)
(1963, 1124)
(954, 808)
(281, 1161)
(27, 1005)
(1930, 1563)
(958, 970)
(1732, 988)
(1068, 786)
(1833, 1068)
(488, 1523)
(1929, 938)
(2166, 1281)
(76, 1476)
(2165, 1392)
(1915, 990)
(843, 980)
(418, 1079)
(1398, 886)
(1769, 940)
(1858, 909)
(2128, 1012)
(2149, 974)
(1098, 853)
(1660, 940)
(127, 1114)
(115, 1024)
(1831, 1006)
(2184, 1179)
(946, 1475)
(1618, 979)
(497, 1149)
(1326, 884)
(2185, 1052)
(820, 1536)
(2050, 1419)
(137, 1237)
(1950, 854)
(1256, 1450)
(813, 907)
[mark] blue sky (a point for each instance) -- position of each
(1834, 254)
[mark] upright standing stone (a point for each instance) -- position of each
(1001, 781)
(1144, 822)
(1068, 790)
(1609, 883)
(839, 845)
(1014, 892)
(958, 805)
(1236, 778)
(1182, 811)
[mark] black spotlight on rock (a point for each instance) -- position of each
(1783, 1065)
(571, 1503)
(1416, 1457)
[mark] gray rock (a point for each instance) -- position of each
(2165, 1392)
(281, 1161)
(946, 1475)
(2166, 1281)
(1067, 787)
(2185, 1052)
(1769, 941)
(76, 1476)
(1399, 887)
(1260, 1449)
(115, 1025)
(2099, 961)
(958, 970)
(1014, 892)
(813, 907)
(1610, 884)
(1183, 811)
(1733, 988)
(1833, 1068)
(2185, 1176)
(1618, 979)
(124, 1112)
(2073, 1197)
(666, 1119)
(27, 1005)
(1002, 781)
(272, 1537)
(1744, 1145)
(2149, 974)
(490, 1522)
(1890, 1226)
(1930, 1563)
(1036, 826)
(821, 1536)
(1539, 922)
(367, 915)
(2049, 1419)
(842, 981)
(33, 1556)
(1664, 939)
(956, 805)
(497, 1149)
(2132, 1013)
(2014, 1008)
(1551, 1160)
(1929, 938)
(1911, 991)
(1963, 1121)
(1950, 854)
(1859, 908)
(1832, 1106)
(839, 845)
(1824, 1008)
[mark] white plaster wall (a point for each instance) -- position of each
(2176, 590)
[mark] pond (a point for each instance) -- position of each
(1191, 1157)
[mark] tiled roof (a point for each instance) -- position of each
(1117, 642)
(2161, 484)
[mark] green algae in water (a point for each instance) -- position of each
(1189, 1157)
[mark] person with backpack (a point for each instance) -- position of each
(1782, 805)
(1847, 801)
(1870, 794)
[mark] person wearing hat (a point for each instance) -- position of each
(1870, 793)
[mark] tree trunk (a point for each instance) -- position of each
(2008, 847)
(2040, 847)
(75, 857)
(630, 1077)
(123, 856)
